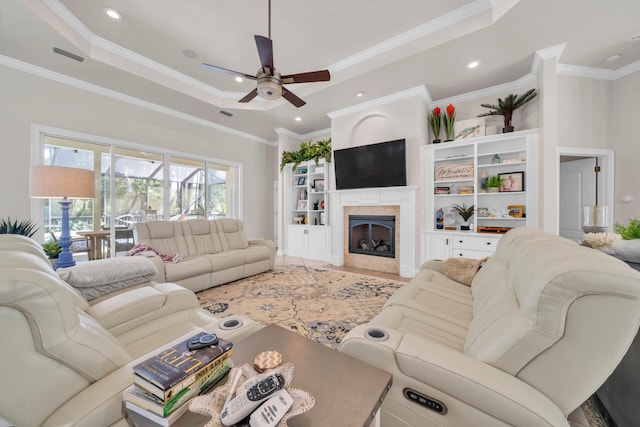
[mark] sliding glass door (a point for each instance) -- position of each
(134, 185)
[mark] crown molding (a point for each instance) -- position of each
(627, 70)
(454, 17)
(419, 91)
(99, 90)
(587, 72)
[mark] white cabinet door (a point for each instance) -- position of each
(317, 239)
(296, 238)
(435, 246)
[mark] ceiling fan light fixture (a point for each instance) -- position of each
(269, 87)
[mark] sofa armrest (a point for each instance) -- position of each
(136, 307)
(482, 386)
(157, 262)
(100, 404)
(269, 244)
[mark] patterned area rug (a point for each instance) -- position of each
(320, 304)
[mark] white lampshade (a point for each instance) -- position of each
(56, 182)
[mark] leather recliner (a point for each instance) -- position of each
(64, 362)
(542, 325)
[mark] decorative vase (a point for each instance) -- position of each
(507, 129)
(54, 262)
(495, 160)
(465, 226)
(493, 189)
(436, 141)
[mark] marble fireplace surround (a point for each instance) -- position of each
(403, 197)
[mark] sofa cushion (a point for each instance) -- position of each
(96, 278)
(522, 295)
(188, 267)
(226, 259)
(202, 236)
(231, 232)
(166, 237)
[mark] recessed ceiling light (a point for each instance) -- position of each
(112, 13)
(298, 119)
(189, 53)
(473, 64)
(612, 58)
(360, 94)
(239, 79)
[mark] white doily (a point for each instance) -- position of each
(212, 403)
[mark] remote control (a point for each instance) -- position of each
(271, 411)
(202, 342)
(245, 403)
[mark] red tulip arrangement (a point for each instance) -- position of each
(435, 120)
(448, 118)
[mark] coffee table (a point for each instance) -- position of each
(348, 392)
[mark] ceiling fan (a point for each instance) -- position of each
(269, 80)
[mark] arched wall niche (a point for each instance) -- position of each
(371, 129)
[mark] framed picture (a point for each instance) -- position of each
(318, 184)
(516, 211)
(483, 212)
(512, 181)
(453, 171)
(466, 129)
(302, 180)
(302, 205)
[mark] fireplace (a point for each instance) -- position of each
(372, 235)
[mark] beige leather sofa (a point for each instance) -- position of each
(213, 251)
(543, 324)
(65, 363)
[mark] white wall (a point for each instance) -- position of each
(625, 138)
(27, 100)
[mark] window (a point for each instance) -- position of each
(138, 184)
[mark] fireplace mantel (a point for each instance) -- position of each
(404, 197)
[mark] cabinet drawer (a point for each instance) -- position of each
(474, 243)
(466, 253)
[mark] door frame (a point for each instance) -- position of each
(606, 160)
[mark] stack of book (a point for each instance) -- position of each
(164, 383)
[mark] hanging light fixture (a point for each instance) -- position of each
(595, 218)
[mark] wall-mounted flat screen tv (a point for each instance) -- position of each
(370, 166)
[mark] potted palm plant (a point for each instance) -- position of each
(493, 183)
(25, 228)
(465, 212)
(507, 106)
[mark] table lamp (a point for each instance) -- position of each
(56, 182)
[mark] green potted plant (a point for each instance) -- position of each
(448, 118)
(628, 248)
(493, 183)
(506, 108)
(307, 151)
(465, 212)
(435, 121)
(52, 249)
(25, 228)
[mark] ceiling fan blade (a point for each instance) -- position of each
(224, 70)
(289, 96)
(265, 52)
(312, 76)
(248, 97)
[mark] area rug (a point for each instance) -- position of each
(320, 304)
